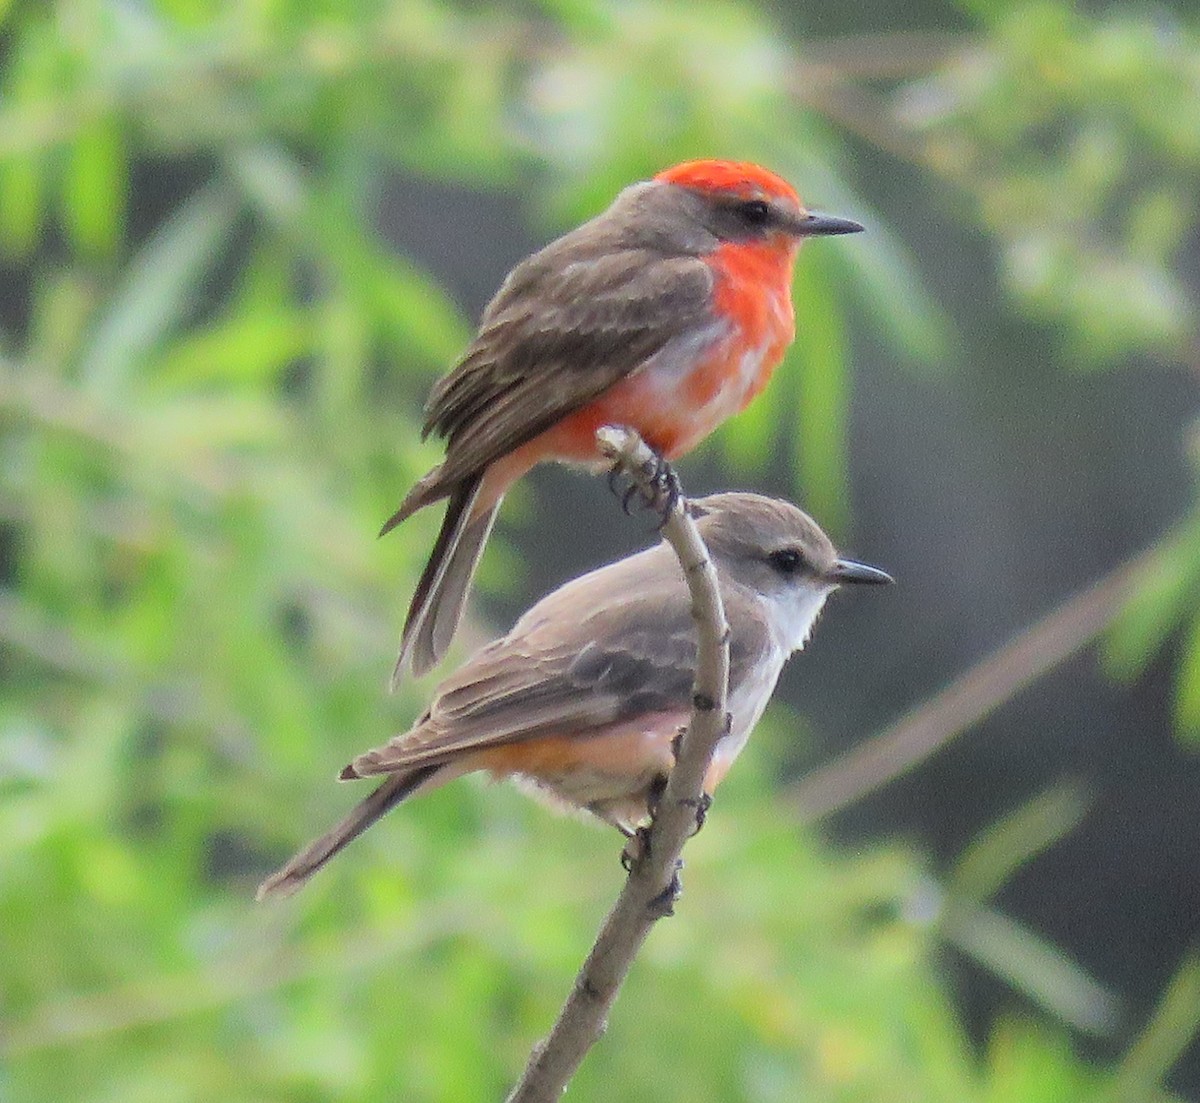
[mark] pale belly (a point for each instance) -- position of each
(612, 775)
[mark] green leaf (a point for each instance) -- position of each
(161, 285)
(247, 348)
(22, 195)
(95, 187)
(884, 276)
(29, 79)
(1187, 686)
(1030, 964)
(411, 313)
(1169, 1032)
(1005, 846)
(1028, 1063)
(822, 394)
(1163, 593)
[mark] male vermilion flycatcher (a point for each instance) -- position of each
(667, 313)
(584, 697)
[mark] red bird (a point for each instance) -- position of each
(667, 313)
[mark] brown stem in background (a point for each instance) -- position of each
(969, 698)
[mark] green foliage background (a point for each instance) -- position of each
(206, 410)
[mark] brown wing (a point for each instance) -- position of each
(568, 324)
(614, 644)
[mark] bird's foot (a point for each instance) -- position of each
(624, 494)
(701, 806)
(637, 847)
(666, 487)
(659, 490)
(664, 903)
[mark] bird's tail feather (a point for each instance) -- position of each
(442, 589)
(295, 874)
(427, 490)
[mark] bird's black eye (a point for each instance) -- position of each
(756, 212)
(787, 561)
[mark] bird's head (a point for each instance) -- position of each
(778, 554)
(742, 202)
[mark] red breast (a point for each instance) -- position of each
(675, 406)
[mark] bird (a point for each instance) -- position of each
(667, 313)
(583, 699)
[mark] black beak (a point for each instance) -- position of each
(824, 225)
(848, 572)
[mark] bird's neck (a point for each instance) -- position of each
(754, 286)
(794, 615)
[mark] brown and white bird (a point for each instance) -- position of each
(666, 313)
(583, 698)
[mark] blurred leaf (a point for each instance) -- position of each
(22, 195)
(1163, 595)
(1005, 846)
(1045, 973)
(30, 76)
(884, 277)
(244, 349)
(61, 310)
(1033, 1065)
(162, 285)
(1032, 965)
(1169, 1032)
(94, 188)
(1048, 126)
(822, 395)
(413, 314)
(1187, 685)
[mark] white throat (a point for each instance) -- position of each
(793, 615)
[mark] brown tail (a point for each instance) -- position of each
(442, 589)
(293, 876)
(427, 490)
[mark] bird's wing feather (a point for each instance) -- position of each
(595, 652)
(560, 332)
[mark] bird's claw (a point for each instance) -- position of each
(701, 806)
(664, 903)
(637, 847)
(669, 490)
(660, 492)
(614, 478)
(628, 497)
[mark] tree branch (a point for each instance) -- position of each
(973, 695)
(652, 885)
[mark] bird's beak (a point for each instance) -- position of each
(823, 225)
(849, 572)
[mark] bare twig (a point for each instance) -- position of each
(652, 885)
(972, 696)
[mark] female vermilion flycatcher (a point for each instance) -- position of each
(667, 313)
(584, 697)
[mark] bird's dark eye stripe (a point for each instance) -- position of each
(755, 211)
(786, 560)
